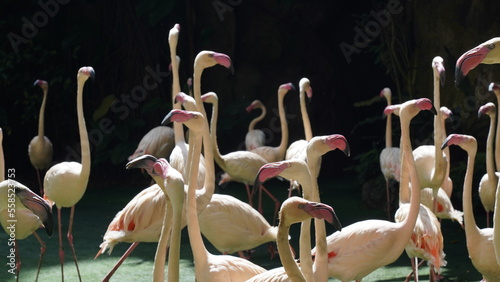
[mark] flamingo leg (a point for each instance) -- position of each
(277, 203)
(61, 248)
(42, 253)
(122, 259)
(70, 240)
(39, 182)
(487, 219)
(249, 194)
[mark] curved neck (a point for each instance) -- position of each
(160, 256)
(213, 134)
(284, 125)
(408, 163)
(292, 270)
(41, 116)
(490, 158)
(471, 228)
(84, 139)
(200, 253)
(252, 124)
(176, 88)
(497, 137)
(305, 116)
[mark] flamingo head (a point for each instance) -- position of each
(161, 167)
(181, 97)
(338, 141)
(219, 58)
(253, 105)
(270, 170)
(446, 113)
(392, 109)
(487, 109)
(145, 162)
(495, 87)
(462, 140)
(305, 86)
(484, 53)
(42, 83)
(86, 72)
(174, 31)
(296, 209)
(438, 69)
(386, 93)
(425, 104)
(209, 97)
(284, 88)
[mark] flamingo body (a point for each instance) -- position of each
(159, 142)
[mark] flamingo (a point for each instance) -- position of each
(179, 155)
(172, 185)
(240, 166)
(366, 245)
(484, 53)
(389, 157)
(22, 212)
(294, 210)
(31, 212)
(139, 221)
(480, 243)
(297, 150)
(429, 159)
(255, 137)
(159, 142)
(208, 267)
(495, 88)
(426, 242)
(274, 154)
(66, 182)
(445, 209)
(489, 181)
(40, 148)
(448, 182)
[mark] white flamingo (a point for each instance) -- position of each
(480, 243)
(255, 137)
(40, 148)
(297, 150)
(364, 246)
(208, 267)
(389, 157)
(294, 210)
(489, 181)
(275, 154)
(66, 182)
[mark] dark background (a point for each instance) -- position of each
(270, 43)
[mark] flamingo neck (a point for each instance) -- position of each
(160, 256)
(176, 88)
(252, 124)
(305, 116)
(84, 139)
(388, 131)
(292, 270)
(471, 228)
(439, 161)
(284, 125)
(200, 253)
(205, 194)
(41, 117)
(408, 163)
(213, 134)
(497, 136)
(490, 159)
(198, 71)
(446, 150)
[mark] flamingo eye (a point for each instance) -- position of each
(491, 46)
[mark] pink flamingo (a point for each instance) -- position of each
(294, 210)
(66, 182)
(208, 267)
(484, 53)
(480, 242)
(364, 246)
(40, 148)
(297, 150)
(389, 157)
(255, 137)
(489, 181)
(274, 154)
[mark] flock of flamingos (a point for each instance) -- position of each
(184, 191)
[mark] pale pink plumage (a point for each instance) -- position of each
(158, 142)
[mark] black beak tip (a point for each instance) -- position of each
(167, 119)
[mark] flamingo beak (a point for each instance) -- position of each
(38, 206)
(322, 211)
(468, 61)
(144, 161)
